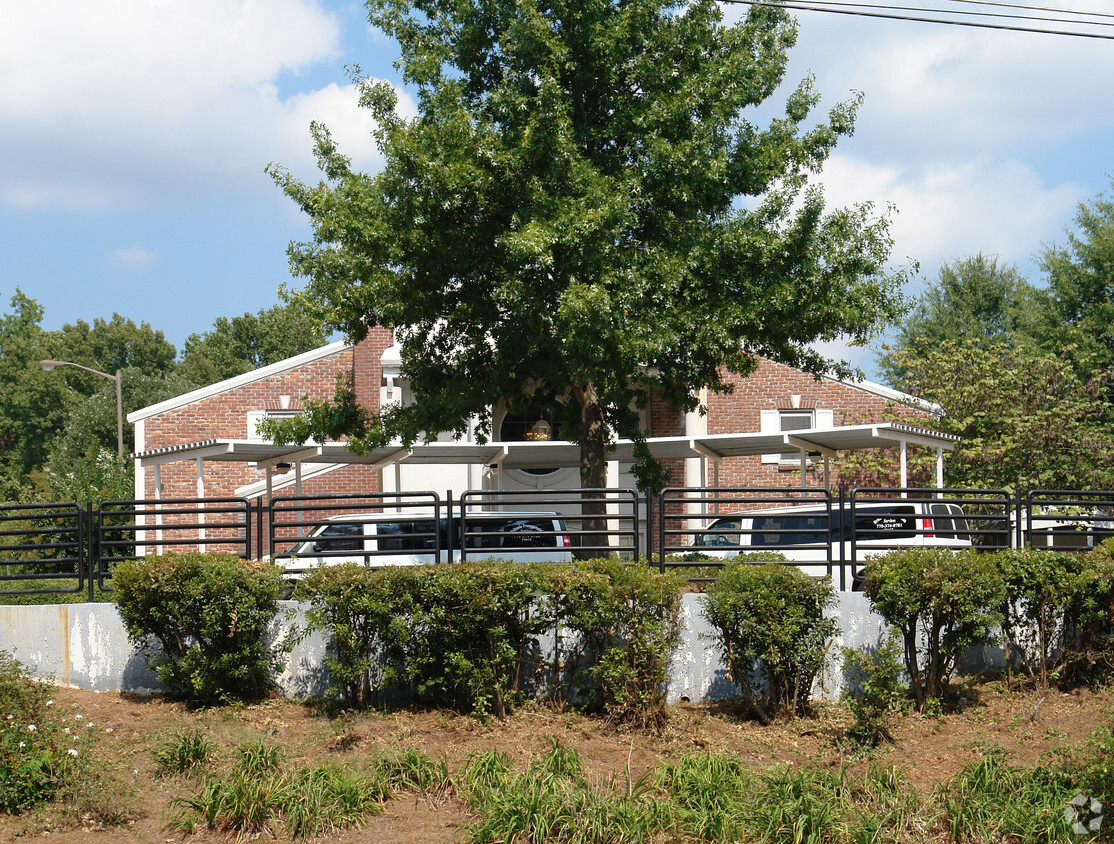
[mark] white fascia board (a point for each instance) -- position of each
(890, 393)
(239, 381)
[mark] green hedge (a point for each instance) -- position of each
(202, 620)
(771, 630)
(467, 636)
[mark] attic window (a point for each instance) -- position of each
(254, 417)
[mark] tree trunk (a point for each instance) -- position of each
(593, 474)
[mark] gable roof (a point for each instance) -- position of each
(391, 357)
(240, 380)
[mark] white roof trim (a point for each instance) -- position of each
(239, 381)
(890, 393)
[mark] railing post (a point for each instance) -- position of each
(85, 542)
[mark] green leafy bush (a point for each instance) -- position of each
(942, 602)
(625, 621)
(466, 636)
(772, 632)
(41, 754)
(874, 689)
(202, 621)
(457, 636)
(364, 613)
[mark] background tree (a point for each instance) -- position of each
(1080, 294)
(581, 212)
(240, 344)
(973, 300)
(32, 405)
(1027, 419)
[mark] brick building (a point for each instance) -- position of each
(204, 443)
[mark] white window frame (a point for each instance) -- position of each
(770, 422)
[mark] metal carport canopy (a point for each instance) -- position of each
(534, 455)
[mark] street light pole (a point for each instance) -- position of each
(48, 365)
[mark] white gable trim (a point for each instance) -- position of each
(240, 380)
(890, 393)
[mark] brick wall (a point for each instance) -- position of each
(225, 416)
(770, 388)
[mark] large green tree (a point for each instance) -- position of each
(581, 211)
(1027, 419)
(974, 299)
(1080, 291)
(240, 344)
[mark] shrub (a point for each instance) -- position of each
(202, 620)
(40, 756)
(942, 602)
(772, 632)
(625, 621)
(1041, 589)
(473, 634)
(364, 613)
(458, 636)
(874, 689)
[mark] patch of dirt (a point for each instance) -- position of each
(1023, 722)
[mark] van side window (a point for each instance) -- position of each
(885, 522)
(409, 535)
(712, 539)
(509, 533)
(790, 530)
(340, 537)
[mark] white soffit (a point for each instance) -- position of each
(535, 455)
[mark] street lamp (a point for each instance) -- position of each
(48, 365)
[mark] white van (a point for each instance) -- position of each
(803, 534)
(411, 538)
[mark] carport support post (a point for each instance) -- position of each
(904, 469)
(939, 468)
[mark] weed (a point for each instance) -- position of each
(260, 757)
(42, 751)
(184, 752)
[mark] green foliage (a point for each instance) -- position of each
(466, 636)
(552, 802)
(771, 630)
(299, 802)
(973, 299)
(458, 636)
(873, 689)
(625, 623)
(184, 752)
(240, 344)
(201, 619)
(1026, 419)
(364, 614)
(1080, 289)
(942, 602)
(41, 754)
(1058, 611)
(562, 218)
(990, 800)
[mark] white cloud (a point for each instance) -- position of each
(140, 104)
(950, 209)
(134, 257)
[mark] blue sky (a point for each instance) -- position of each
(135, 137)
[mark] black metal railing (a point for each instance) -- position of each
(70, 548)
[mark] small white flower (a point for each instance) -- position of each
(66, 730)
(72, 752)
(77, 717)
(90, 724)
(108, 729)
(31, 728)
(10, 717)
(50, 703)
(23, 744)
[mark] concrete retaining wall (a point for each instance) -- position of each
(85, 646)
